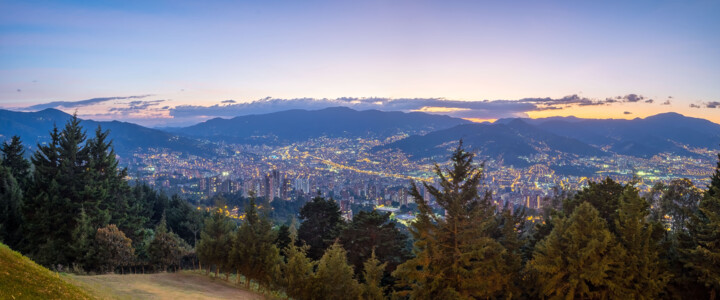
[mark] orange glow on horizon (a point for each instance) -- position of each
(478, 120)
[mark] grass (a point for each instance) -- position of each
(21, 278)
(176, 286)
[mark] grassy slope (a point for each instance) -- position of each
(176, 286)
(21, 278)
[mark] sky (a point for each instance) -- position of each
(166, 63)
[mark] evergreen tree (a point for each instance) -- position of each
(215, 242)
(13, 158)
(373, 231)
(109, 188)
(11, 203)
(456, 256)
(372, 273)
(580, 259)
(680, 201)
(703, 258)
(321, 224)
(714, 187)
(604, 196)
(283, 237)
(298, 272)
(254, 253)
(642, 273)
(334, 276)
(166, 248)
(82, 247)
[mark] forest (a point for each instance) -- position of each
(70, 208)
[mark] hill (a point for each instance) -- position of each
(182, 285)
(34, 128)
(298, 125)
(507, 142)
(662, 133)
(21, 278)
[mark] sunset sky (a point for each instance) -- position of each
(172, 62)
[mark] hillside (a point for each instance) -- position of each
(183, 285)
(507, 142)
(297, 125)
(21, 278)
(662, 133)
(34, 128)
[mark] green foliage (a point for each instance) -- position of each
(21, 278)
(114, 249)
(166, 248)
(579, 259)
(373, 231)
(321, 224)
(703, 258)
(643, 274)
(372, 274)
(11, 203)
(334, 276)
(298, 272)
(13, 158)
(604, 196)
(455, 256)
(216, 241)
(254, 253)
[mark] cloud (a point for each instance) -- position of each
(667, 102)
(649, 101)
(713, 104)
(229, 101)
(693, 105)
(73, 104)
(484, 109)
(627, 113)
(632, 98)
(135, 106)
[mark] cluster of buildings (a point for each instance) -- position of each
(349, 171)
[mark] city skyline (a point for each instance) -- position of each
(156, 62)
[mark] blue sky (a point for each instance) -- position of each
(199, 53)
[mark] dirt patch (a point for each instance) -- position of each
(174, 286)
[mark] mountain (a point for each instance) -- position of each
(507, 142)
(34, 128)
(662, 133)
(297, 125)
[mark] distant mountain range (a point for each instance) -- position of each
(34, 128)
(431, 136)
(299, 125)
(511, 139)
(667, 132)
(504, 142)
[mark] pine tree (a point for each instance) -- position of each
(642, 272)
(254, 253)
(109, 189)
(13, 155)
(82, 246)
(604, 196)
(334, 276)
(166, 249)
(714, 187)
(702, 259)
(579, 259)
(373, 273)
(11, 203)
(456, 256)
(321, 224)
(216, 241)
(374, 231)
(298, 275)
